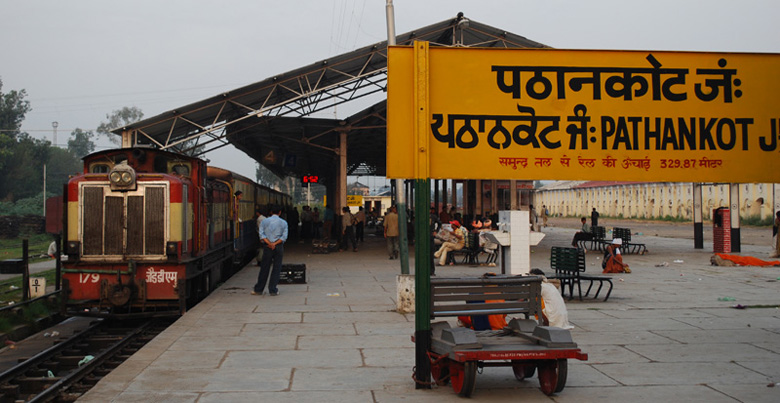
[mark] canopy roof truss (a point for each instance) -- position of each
(217, 121)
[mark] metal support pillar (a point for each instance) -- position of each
(341, 191)
(736, 245)
(698, 226)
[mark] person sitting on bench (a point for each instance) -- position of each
(457, 244)
(584, 235)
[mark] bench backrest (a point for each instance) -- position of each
(486, 296)
(599, 232)
(567, 261)
(622, 233)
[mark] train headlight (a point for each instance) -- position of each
(122, 177)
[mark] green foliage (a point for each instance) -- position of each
(80, 143)
(32, 205)
(62, 163)
(23, 173)
(119, 118)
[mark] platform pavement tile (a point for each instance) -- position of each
(253, 342)
(219, 319)
(679, 373)
(233, 329)
(617, 338)
(643, 394)
(157, 397)
(390, 357)
(394, 328)
(575, 313)
(754, 393)
(615, 324)
(308, 307)
(355, 317)
(288, 359)
(773, 346)
(342, 396)
(299, 329)
(748, 335)
(361, 341)
(771, 369)
(578, 375)
(609, 354)
(386, 307)
(342, 300)
(729, 312)
(438, 394)
(769, 323)
(653, 313)
(202, 380)
(703, 352)
(363, 378)
(177, 359)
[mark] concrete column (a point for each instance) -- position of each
(454, 193)
(698, 225)
(493, 198)
(436, 195)
(734, 207)
(513, 194)
(444, 195)
(478, 199)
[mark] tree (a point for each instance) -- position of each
(13, 108)
(80, 143)
(265, 177)
(119, 118)
(23, 173)
(61, 164)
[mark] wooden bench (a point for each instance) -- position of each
(628, 245)
(523, 344)
(569, 267)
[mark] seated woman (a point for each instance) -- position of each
(613, 260)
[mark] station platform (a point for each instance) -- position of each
(663, 335)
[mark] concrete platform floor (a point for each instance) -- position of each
(662, 336)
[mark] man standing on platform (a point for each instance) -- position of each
(594, 218)
(391, 233)
(361, 224)
(273, 235)
(348, 230)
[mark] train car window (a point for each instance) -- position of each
(99, 168)
(161, 164)
(178, 167)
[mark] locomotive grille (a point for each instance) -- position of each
(129, 223)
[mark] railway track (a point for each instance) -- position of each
(68, 369)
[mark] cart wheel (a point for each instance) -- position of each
(552, 375)
(523, 369)
(440, 371)
(463, 377)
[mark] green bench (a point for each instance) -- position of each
(569, 267)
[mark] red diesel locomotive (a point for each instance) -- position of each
(149, 232)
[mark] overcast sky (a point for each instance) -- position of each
(81, 59)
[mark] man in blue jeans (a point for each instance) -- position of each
(273, 234)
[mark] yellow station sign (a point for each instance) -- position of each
(354, 200)
(579, 114)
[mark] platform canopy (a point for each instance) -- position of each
(268, 120)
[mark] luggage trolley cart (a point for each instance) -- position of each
(524, 345)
